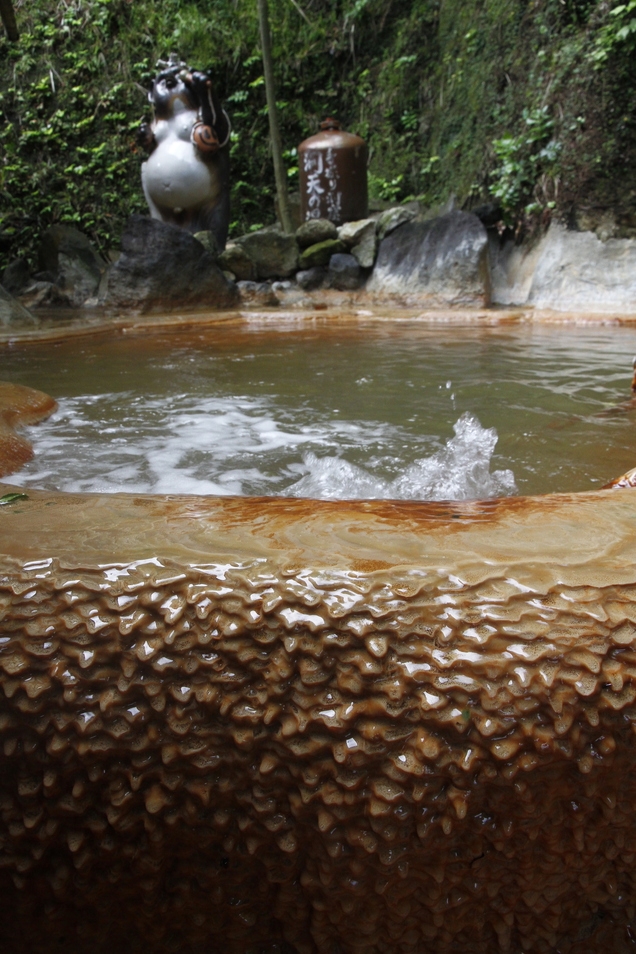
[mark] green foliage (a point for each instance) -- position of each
(618, 33)
(384, 189)
(525, 101)
(12, 498)
(523, 160)
(66, 132)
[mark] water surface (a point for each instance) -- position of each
(318, 408)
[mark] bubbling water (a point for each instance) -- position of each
(222, 445)
(332, 410)
(459, 471)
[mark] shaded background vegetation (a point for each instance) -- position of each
(525, 102)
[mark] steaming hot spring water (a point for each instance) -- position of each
(313, 409)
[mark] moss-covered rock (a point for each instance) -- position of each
(320, 253)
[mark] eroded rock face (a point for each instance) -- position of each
(439, 261)
(250, 725)
(566, 271)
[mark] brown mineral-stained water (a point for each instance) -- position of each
(317, 406)
(248, 725)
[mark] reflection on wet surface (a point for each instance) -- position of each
(292, 726)
(323, 408)
(19, 406)
(287, 725)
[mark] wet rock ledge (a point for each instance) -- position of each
(249, 725)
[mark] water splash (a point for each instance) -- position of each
(245, 445)
(459, 471)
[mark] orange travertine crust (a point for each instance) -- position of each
(19, 405)
(297, 726)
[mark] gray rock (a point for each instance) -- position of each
(257, 293)
(444, 260)
(163, 267)
(320, 253)
(42, 293)
(567, 271)
(274, 253)
(209, 242)
(345, 273)
(390, 220)
(351, 233)
(365, 252)
(311, 278)
(365, 245)
(236, 260)
(315, 230)
(16, 276)
(12, 312)
(511, 269)
(68, 255)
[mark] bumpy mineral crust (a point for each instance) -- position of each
(19, 405)
(260, 725)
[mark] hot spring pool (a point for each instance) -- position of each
(281, 725)
(397, 410)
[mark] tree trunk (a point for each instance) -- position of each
(274, 131)
(8, 18)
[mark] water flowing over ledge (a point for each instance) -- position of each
(355, 715)
(300, 727)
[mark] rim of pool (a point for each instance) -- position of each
(553, 577)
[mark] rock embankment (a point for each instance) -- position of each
(566, 271)
(404, 255)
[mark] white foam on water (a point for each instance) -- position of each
(459, 471)
(245, 445)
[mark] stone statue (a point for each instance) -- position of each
(186, 176)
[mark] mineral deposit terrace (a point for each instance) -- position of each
(301, 726)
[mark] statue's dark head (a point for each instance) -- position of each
(170, 92)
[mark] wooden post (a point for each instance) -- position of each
(280, 173)
(8, 18)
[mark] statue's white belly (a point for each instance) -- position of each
(176, 177)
